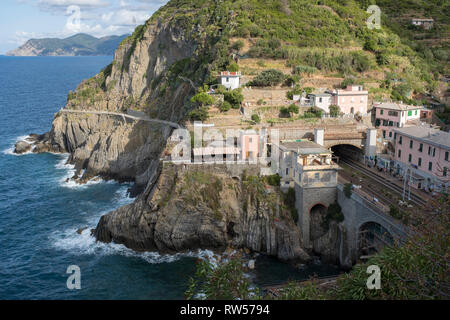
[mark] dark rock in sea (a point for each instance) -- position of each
(22, 147)
(80, 231)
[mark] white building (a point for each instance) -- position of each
(230, 80)
(321, 100)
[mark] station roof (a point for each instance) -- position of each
(304, 147)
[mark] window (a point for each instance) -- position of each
(446, 156)
(410, 157)
(384, 133)
(409, 113)
(391, 123)
(416, 112)
(400, 140)
(381, 111)
(429, 150)
(445, 171)
(421, 147)
(320, 99)
(430, 166)
(411, 143)
(317, 176)
(395, 136)
(419, 162)
(228, 79)
(390, 134)
(250, 140)
(399, 153)
(393, 113)
(434, 152)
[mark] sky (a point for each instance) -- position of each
(21, 20)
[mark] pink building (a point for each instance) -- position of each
(422, 154)
(351, 100)
(389, 116)
(249, 145)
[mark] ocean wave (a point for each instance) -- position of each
(70, 240)
(67, 182)
(10, 151)
(85, 244)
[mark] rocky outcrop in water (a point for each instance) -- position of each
(190, 208)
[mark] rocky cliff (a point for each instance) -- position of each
(204, 207)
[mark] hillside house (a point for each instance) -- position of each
(389, 116)
(321, 99)
(351, 100)
(427, 24)
(230, 80)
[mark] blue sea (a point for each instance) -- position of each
(40, 212)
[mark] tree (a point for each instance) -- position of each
(348, 187)
(234, 97)
(268, 78)
(233, 67)
(293, 108)
(199, 114)
(238, 45)
(334, 110)
(225, 106)
(256, 118)
(202, 99)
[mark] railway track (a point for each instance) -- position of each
(415, 199)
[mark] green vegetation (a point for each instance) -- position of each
(234, 97)
(348, 188)
(79, 45)
(225, 106)
(268, 78)
(288, 111)
(203, 187)
(256, 118)
(224, 283)
(273, 180)
(202, 99)
(289, 200)
(445, 115)
(334, 110)
(334, 213)
(199, 114)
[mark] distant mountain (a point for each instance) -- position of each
(78, 45)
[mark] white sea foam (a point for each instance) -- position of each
(66, 180)
(10, 150)
(85, 244)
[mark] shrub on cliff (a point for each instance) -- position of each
(199, 114)
(348, 188)
(234, 97)
(268, 78)
(202, 99)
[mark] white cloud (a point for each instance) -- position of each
(97, 17)
(66, 3)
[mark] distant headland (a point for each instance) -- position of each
(78, 45)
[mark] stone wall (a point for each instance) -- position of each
(306, 199)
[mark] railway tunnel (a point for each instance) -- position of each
(347, 151)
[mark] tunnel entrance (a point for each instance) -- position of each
(317, 216)
(347, 151)
(373, 237)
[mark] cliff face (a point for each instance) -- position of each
(203, 207)
(111, 146)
